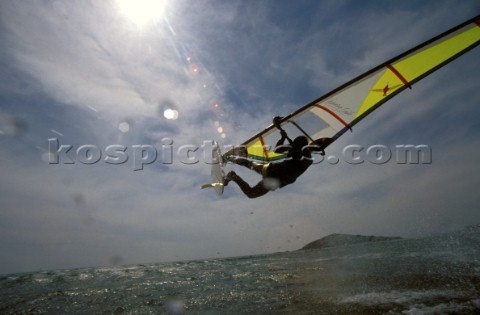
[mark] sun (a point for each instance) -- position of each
(141, 12)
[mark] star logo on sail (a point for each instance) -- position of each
(387, 89)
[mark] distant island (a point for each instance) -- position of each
(334, 240)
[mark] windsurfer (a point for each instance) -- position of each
(275, 174)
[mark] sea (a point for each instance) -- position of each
(431, 275)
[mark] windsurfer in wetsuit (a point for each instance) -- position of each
(276, 174)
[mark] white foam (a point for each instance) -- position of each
(401, 297)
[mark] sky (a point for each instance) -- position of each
(97, 74)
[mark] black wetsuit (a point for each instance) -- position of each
(275, 174)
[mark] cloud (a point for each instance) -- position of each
(86, 55)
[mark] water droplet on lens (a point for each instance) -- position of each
(271, 183)
(79, 199)
(124, 126)
(175, 306)
(115, 260)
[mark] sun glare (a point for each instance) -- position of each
(142, 12)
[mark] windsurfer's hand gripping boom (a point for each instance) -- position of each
(276, 122)
(316, 146)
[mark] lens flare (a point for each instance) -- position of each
(194, 69)
(124, 126)
(170, 114)
(142, 12)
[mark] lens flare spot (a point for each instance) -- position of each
(48, 157)
(13, 126)
(194, 69)
(220, 129)
(124, 126)
(170, 114)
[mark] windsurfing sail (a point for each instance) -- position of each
(338, 111)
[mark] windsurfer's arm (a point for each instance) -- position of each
(280, 147)
(319, 145)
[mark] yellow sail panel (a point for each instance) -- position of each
(415, 66)
(257, 150)
(260, 151)
(419, 63)
(387, 83)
